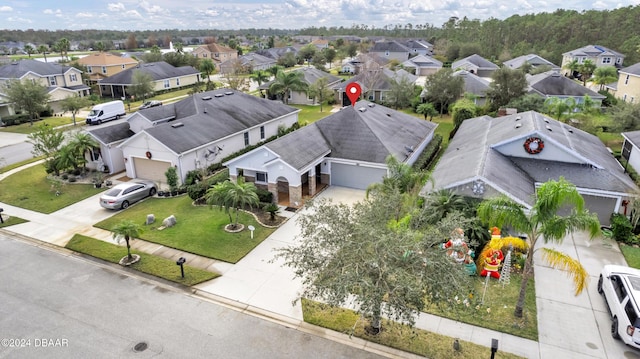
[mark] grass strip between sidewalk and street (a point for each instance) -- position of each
(395, 335)
(12, 221)
(149, 264)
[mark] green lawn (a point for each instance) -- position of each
(310, 114)
(19, 164)
(150, 264)
(199, 229)
(421, 342)
(31, 190)
(27, 128)
(611, 140)
(497, 311)
(11, 221)
(632, 255)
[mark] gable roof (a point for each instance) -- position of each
(364, 132)
(210, 116)
(111, 134)
(532, 59)
(631, 70)
(251, 59)
(276, 52)
(390, 46)
(473, 83)
(310, 75)
(105, 59)
(215, 47)
(552, 83)
(158, 71)
(475, 152)
(475, 60)
(593, 51)
(18, 69)
(422, 61)
(379, 79)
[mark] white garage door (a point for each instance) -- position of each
(355, 176)
(150, 169)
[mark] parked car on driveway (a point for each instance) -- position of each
(150, 104)
(620, 286)
(124, 194)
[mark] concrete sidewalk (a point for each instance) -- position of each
(569, 326)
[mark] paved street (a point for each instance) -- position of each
(81, 309)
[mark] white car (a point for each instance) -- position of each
(620, 286)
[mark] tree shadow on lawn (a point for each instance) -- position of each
(199, 229)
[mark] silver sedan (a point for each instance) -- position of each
(124, 194)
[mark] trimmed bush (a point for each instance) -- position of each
(429, 153)
(264, 196)
(621, 228)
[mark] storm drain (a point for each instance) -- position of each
(140, 347)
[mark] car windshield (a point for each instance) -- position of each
(93, 113)
(114, 192)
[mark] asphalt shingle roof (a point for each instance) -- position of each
(476, 60)
(20, 68)
(209, 116)
(551, 83)
(364, 132)
(632, 70)
(158, 71)
(113, 133)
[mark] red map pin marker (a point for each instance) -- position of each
(353, 92)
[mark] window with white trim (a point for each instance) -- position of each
(167, 84)
(104, 69)
(73, 77)
(246, 138)
(262, 132)
(606, 60)
(123, 66)
(626, 80)
(52, 81)
(261, 177)
(89, 69)
(178, 81)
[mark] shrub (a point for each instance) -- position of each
(72, 179)
(621, 228)
(65, 176)
(264, 195)
(272, 209)
(429, 153)
(172, 178)
(193, 177)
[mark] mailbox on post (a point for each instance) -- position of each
(181, 262)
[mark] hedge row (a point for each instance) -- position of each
(429, 153)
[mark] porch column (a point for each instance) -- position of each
(312, 184)
(295, 195)
(273, 188)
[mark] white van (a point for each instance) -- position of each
(105, 112)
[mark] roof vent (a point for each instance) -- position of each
(546, 120)
(205, 98)
(549, 128)
(371, 104)
(518, 118)
(177, 124)
(219, 95)
(228, 93)
(362, 109)
(518, 125)
(570, 131)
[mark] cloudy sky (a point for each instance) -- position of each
(287, 14)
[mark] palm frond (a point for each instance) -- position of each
(572, 266)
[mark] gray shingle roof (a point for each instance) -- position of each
(366, 132)
(158, 71)
(422, 61)
(113, 133)
(474, 152)
(310, 75)
(551, 83)
(391, 46)
(18, 69)
(472, 83)
(532, 59)
(210, 116)
(377, 79)
(633, 137)
(632, 70)
(476, 60)
(593, 50)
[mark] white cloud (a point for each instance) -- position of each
(152, 9)
(19, 19)
(132, 14)
(6, 8)
(84, 15)
(116, 7)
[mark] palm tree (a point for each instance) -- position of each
(442, 202)
(427, 109)
(604, 75)
(126, 229)
(207, 67)
(29, 50)
(558, 107)
(236, 195)
(80, 143)
(542, 221)
(573, 66)
(285, 82)
(63, 46)
(260, 76)
(43, 49)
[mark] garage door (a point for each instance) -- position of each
(602, 206)
(150, 169)
(355, 176)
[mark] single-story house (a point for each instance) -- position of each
(165, 77)
(189, 134)
(374, 83)
(310, 75)
(423, 65)
(553, 84)
(514, 154)
(475, 64)
(347, 148)
(249, 62)
(531, 59)
(418, 47)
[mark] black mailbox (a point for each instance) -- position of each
(180, 262)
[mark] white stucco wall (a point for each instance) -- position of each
(634, 159)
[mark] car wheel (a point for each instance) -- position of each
(614, 328)
(600, 284)
(99, 122)
(152, 192)
(125, 204)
